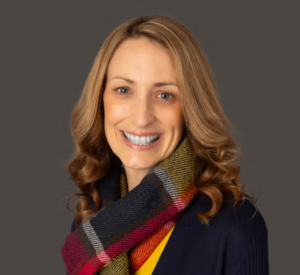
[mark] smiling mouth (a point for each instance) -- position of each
(143, 141)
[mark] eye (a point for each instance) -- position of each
(165, 95)
(122, 90)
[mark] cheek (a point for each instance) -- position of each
(173, 117)
(113, 112)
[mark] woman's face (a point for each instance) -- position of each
(142, 101)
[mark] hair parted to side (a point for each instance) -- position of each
(206, 126)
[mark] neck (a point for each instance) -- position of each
(134, 177)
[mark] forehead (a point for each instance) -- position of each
(141, 57)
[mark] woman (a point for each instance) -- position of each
(159, 190)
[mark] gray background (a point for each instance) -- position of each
(47, 50)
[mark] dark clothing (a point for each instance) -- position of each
(235, 243)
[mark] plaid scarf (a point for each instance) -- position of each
(121, 236)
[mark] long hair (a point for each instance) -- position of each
(206, 126)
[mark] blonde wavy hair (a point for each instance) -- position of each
(206, 126)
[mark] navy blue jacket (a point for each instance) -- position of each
(235, 243)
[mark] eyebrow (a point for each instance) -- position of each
(157, 84)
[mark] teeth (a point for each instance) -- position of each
(141, 140)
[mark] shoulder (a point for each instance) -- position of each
(236, 238)
(239, 220)
(235, 241)
(240, 223)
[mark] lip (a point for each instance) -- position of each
(139, 134)
(140, 147)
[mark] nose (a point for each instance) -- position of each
(142, 111)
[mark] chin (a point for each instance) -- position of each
(138, 164)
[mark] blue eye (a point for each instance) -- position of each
(165, 95)
(122, 90)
